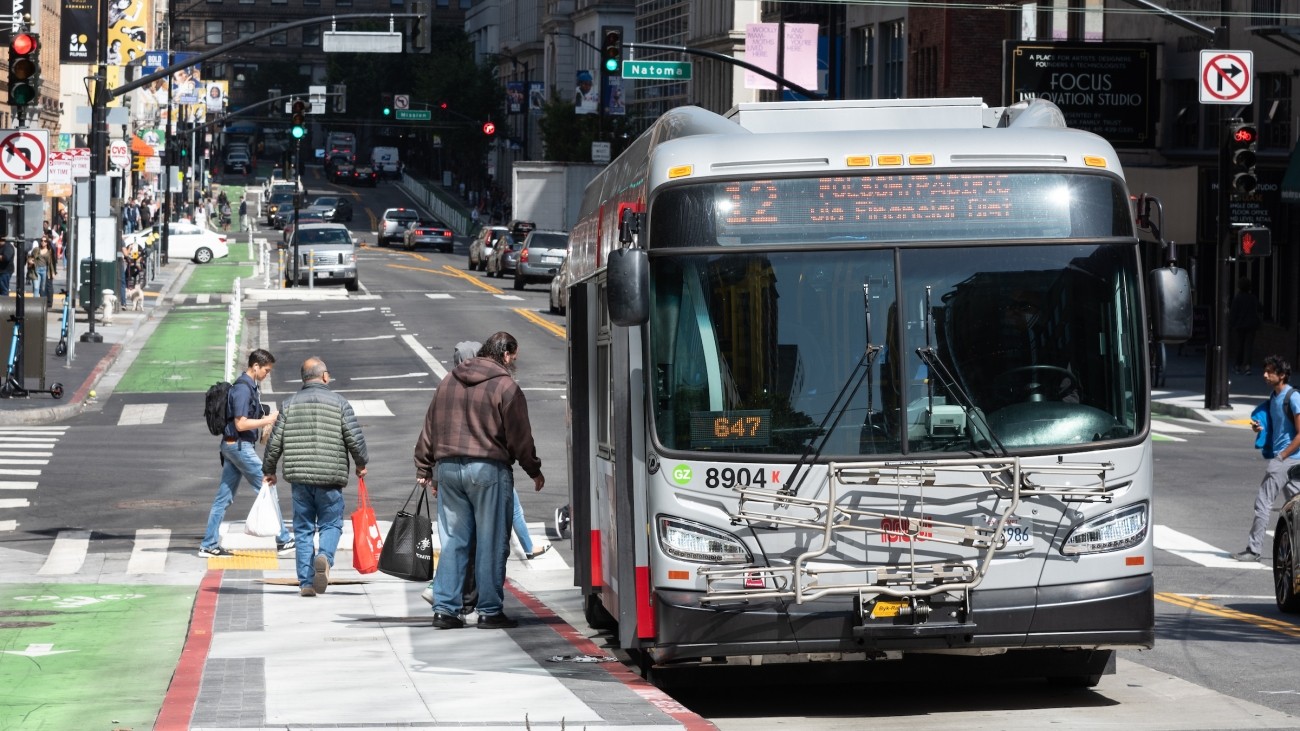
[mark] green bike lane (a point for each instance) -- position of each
(102, 656)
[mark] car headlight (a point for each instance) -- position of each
(1113, 531)
(691, 541)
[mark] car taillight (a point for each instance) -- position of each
(523, 255)
(222, 239)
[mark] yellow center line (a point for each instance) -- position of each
(417, 269)
(453, 271)
(542, 322)
(1286, 628)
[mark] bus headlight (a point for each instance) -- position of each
(691, 541)
(1113, 531)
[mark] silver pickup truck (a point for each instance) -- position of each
(323, 251)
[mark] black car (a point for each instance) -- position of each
(429, 232)
(339, 170)
(332, 207)
(365, 175)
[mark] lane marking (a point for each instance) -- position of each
(149, 552)
(32, 429)
(1198, 551)
(370, 407)
(437, 295)
(423, 354)
(8, 525)
(453, 271)
(25, 454)
(1268, 623)
(370, 337)
(25, 473)
(1169, 427)
(346, 312)
(414, 374)
(510, 297)
(541, 322)
(141, 414)
(68, 553)
(24, 461)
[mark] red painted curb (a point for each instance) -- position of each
(655, 697)
(178, 706)
(97, 373)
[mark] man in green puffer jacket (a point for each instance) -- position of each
(315, 433)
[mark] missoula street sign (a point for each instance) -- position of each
(657, 70)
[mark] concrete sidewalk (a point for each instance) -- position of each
(363, 655)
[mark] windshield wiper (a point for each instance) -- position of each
(861, 372)
(930, 356)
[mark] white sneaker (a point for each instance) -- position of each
(427, 594)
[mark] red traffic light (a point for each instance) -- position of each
(23, 44)
(1244, 135)
(489, 128)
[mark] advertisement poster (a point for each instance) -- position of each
(77, 39)
(127, 37)
(586, 97)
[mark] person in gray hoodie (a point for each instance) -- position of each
(315, 433)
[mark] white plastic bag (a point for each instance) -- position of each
(264, 517)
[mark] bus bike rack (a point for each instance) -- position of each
(1005, 478)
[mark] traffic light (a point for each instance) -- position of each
(420, 36)
(299, 110)
(24, 68)
(1254, 242)
(489, 128)
(1240, 147)
(386, 102)
(137, 163)
(613, 50)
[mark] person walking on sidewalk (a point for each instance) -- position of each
(1279, 448)
(315, 434)
(475, 429)
(245, 419)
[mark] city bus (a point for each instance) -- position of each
(865, 381)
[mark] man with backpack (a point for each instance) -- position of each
(1279, 446)
(240, 426)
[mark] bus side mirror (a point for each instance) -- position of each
(1171, 305)
(627, 287)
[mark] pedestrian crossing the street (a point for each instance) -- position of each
(24, 451)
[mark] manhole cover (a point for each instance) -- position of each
(152, 504)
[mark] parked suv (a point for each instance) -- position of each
(325, 251)
(481, 247)
(392, 227)
(541, 256)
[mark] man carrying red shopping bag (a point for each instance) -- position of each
(315, 433)
(367, 542)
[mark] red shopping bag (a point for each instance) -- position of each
(367, 542)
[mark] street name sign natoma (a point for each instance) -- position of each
(661, 70)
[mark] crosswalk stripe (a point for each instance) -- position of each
(25, 453)
(17, 485)
(31, 429)
(14, 502)
(149, 552)
(370, 407)
(1169, 427)
(7, 525)
(1198, 551)
(140, 414)
(28, 473)
(68, 553)
(34, 441)
(437, 295)
(24, 461)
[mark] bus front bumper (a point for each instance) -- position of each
(1099, 614)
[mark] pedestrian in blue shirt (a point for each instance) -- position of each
(1279, 448)
(245, 419)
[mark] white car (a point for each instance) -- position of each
(185, 240)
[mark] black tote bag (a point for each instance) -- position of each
(408, 549)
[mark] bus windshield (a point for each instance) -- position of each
(980, 348)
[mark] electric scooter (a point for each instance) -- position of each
(62, 348)
(12, 387)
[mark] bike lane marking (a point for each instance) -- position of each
(82, 655)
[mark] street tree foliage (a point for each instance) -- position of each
(567, 136)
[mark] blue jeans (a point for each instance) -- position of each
(521, 526)
(42, 282)
(315, 509)
(473, 500)
(240, 460)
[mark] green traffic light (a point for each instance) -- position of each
(298, 132)
(22, 94)
(387, 111)
(611, 64)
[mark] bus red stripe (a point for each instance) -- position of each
(597, 568)
(645, 605)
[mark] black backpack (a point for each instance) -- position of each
(214, 406)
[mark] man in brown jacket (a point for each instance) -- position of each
(476, 428)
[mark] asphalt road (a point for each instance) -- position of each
(1224, 657)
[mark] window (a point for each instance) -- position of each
(1265, 12)
(1029, 22)
(311, 36)
(182, 31)
(864, 76)
(246, 28)
(1185, 114)
(280, 39)
(212, 32)
(891, 82)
